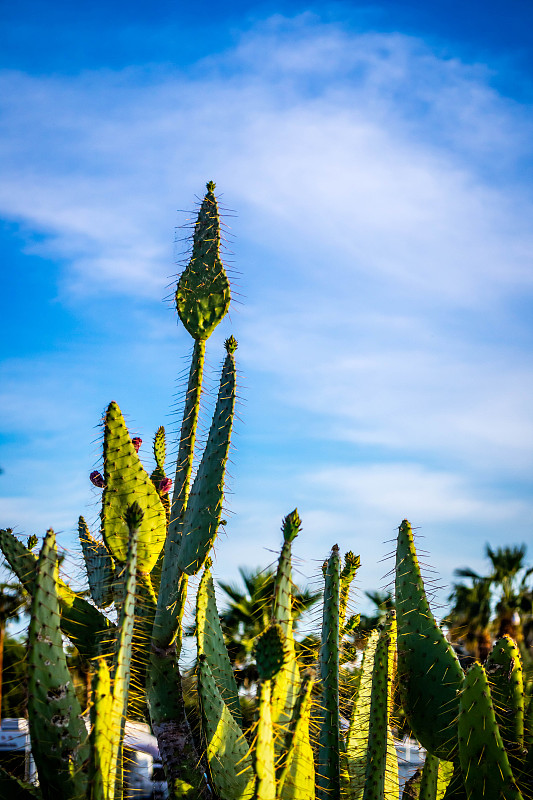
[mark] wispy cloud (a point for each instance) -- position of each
(384, 237)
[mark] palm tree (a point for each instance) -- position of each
(248, 612)
(469, 617)
(505, 590)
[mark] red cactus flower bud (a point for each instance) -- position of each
(136, 442)
(97, 480)
(164, 485)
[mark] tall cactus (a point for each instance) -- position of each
(139, 568)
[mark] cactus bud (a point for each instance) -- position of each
(97, 480)
(32, 541)
(291, 526)
(231, 344)
(134, 516)
(165, 485)
(136, 442)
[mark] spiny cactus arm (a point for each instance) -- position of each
(392, 781)
(210, 641)
(159, 477)
(127, 482)
(98, 565)
(287, 681)
(11, 787)
(203, 292)
(160, 448)
(484, 762)
(444, 777)
(101, 750)
(145, 605)
(228, 755)
(429, 671)
(270, 654)
(381, 778)
(430, 776)
(348, 573)
(57, 731)
(357, 737)
(264, 754)
(80, 621)
(435, 778)
(169, 609)
(295, 771)
(133, 519)
(504, 671)
(204, 506)
(330, 743)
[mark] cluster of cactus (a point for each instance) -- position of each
(301, 746)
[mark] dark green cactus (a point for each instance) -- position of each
(211, 643)
(57, 731)
(98, 565)
(504, 671)
(484, 763)
(330, 743)
(429, 672)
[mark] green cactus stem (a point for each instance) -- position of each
(295, 770)
(98, 565)
(357, 737)
(330, 744)
(101, 750)
(429, 672)
(126, 483)
(349, 571)
(484, 762)
(264, 754)
(504, 670)
(287, 681)
(381, 778)
(204, 506)
(228, 756)
(84, 625)
(57, 730)
(116, 716)
(210, 640)
(203, 292)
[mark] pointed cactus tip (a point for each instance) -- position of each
(165, 485)
(97, 480)
(231, 344)
(134, 516)
(291, 526)
(211, 186)
(136, 442)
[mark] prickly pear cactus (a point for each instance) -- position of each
(203, 293)
(429, 673)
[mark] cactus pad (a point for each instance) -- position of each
(203, 292)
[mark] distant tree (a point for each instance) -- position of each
(495, 604)
(14, 696)
(13, 603)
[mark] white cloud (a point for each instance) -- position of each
(384, 236)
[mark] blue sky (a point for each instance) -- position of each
(376, 162)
